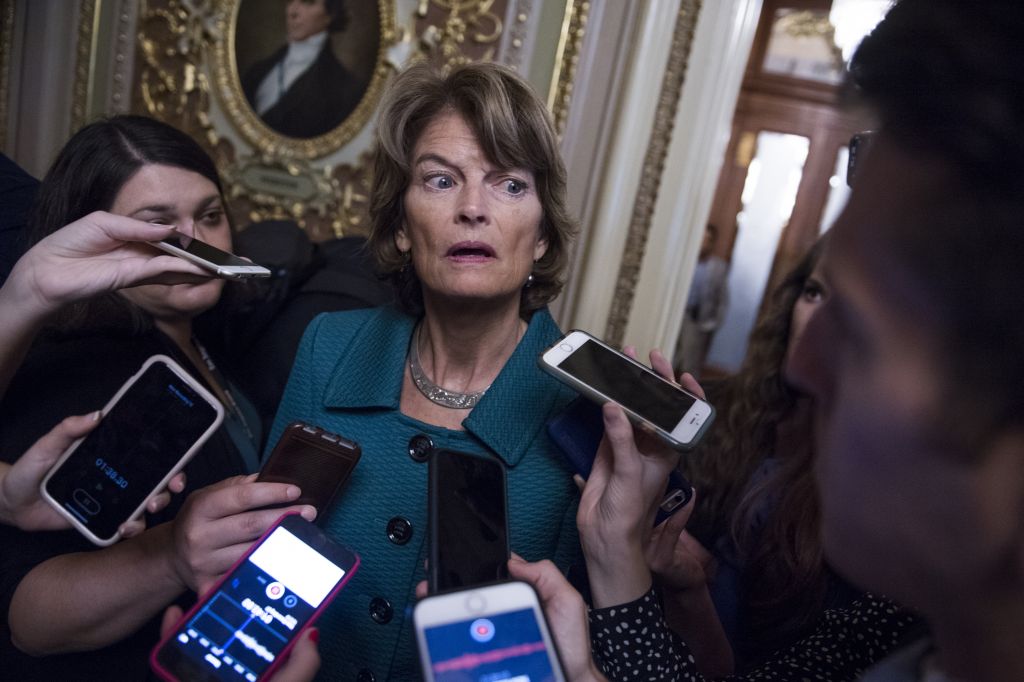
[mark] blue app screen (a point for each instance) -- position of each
(506, 647)
(240, 630)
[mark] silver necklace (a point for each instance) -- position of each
(433, 392)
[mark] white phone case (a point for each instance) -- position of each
(182, 461)
(480, 603)
(691, 425)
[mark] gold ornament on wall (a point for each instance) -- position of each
(193, 59)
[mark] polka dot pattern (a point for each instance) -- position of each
(632, 642)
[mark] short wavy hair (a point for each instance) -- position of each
(513, 128)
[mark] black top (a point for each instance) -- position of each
(315, 103)
(632, 642)
(17, 192)
(71, 375)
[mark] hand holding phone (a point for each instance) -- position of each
(577, 431)
(468, 520)
(244, 628)
(604, 374)
(150, 429)
(492, 632)
(221, 263)
(317, 461)
(217, 522)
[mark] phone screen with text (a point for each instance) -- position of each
(240, 630)
(142, 437)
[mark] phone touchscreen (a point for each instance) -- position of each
(142, 438)
(470, 539)
(502, 647)
(629, 385)
(240, 629)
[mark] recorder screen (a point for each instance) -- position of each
(630, 386)
(243, 626)
(119, 463)
(505, 647)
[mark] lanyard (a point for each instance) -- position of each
(233, 409)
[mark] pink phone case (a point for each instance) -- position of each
(283, 656)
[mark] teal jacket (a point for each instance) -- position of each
(347, 378)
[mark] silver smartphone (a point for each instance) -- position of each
(222, 263)
(602, 373)
(494, 632)
(150, 429)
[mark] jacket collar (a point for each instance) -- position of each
(507, 418)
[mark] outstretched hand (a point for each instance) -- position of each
(22, 505)
(217, 524)
(677, 560)
(99, 253)
(620, 499)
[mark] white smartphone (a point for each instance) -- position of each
(222, 263)
(601, 373)
(496, 633)
(149, 430)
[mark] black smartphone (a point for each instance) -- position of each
(577, 431)
(318, 461)
(468, 520)
(243, 628)
(149, 430)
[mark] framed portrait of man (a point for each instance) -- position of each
(304, 65)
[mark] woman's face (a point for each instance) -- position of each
(473, 229)
(812, 295)
(169, 195)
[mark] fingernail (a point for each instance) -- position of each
(308, 513)
(293, 492)
(314, 635)
(96, 415)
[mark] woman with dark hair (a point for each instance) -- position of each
(470, 224)
(784, 612)
(758, 506)
(100, 607)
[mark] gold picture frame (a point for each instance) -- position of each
(187, 72)
(263, 137)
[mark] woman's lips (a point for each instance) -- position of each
(470, 252)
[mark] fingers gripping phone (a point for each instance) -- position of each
(468, 520)
(244, 627)
(602, 374)
(149, 430)
(317, 461)
(496, 632)
(577, 431)
(222, 263)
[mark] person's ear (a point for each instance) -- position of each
(540, 248)
(402, 240)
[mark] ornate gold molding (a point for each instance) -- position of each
(186, 74)
(85, 62)
(567, 57)
(6, 40)
(653, 166)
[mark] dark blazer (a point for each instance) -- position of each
(316, 103)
